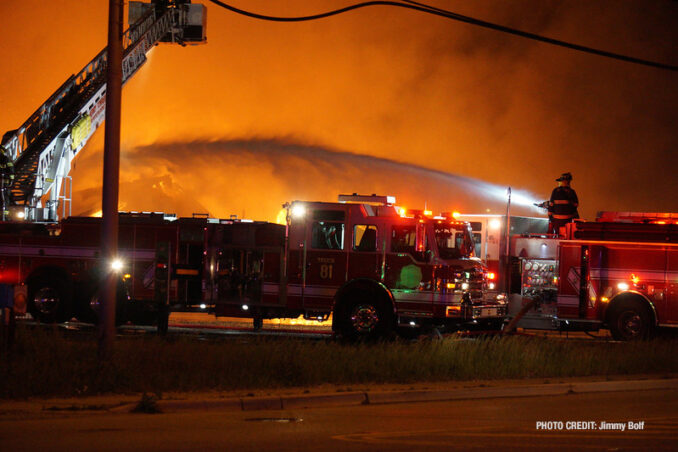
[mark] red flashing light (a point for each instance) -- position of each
(491, 276)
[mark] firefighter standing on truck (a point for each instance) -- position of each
(563, 204)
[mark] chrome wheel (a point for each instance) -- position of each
(630, 324)
(364, 318)
(630, 320)
(46, 300)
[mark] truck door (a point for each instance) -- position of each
(366, 252)
(408, 271)
(325, 259)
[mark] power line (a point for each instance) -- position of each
(422, 7)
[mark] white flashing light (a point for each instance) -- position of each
(245, 307)
(298, 210)
(491, 286)
(21, 215)
(203, 306)
(464, 286)
(495, 223)
(623, 286)
(116, 265)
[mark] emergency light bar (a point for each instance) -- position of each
(372, 199)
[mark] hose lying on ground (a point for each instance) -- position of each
(512, 324)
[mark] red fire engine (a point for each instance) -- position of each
(619, 272)
(361, 260)
(371, 267)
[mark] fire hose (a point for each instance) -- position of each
(512, 324)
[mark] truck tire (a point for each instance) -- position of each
(630, 320)
(364, 316)
(49, 299)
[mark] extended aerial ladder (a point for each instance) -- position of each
(35, 159)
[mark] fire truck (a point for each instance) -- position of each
(619, 272)
(374, 268)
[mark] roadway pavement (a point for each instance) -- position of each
(582, 414)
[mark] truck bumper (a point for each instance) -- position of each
(478, 311)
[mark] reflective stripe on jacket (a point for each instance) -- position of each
(563, 204)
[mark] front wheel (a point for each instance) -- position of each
(630, 320)
(49, 300)
(365, 316)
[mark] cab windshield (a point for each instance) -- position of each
(454, 241)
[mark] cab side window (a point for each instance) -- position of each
(328, 235)
(328, 230)
(404, 240)
(364, 237)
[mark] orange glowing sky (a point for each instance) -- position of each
(266, 112)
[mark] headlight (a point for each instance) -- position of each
(116, 265)
(298, 210)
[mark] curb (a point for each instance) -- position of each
(381, 398)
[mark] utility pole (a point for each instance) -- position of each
(506, 264)
(109, 231)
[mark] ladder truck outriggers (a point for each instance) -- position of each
(619, 272)
(35, 159)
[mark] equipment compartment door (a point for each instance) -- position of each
(671, 313)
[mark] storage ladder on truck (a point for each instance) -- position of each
(37, 156)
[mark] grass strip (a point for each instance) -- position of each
(47, 363)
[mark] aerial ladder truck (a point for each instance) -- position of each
(35, 159)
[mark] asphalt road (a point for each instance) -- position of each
(489, 424)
